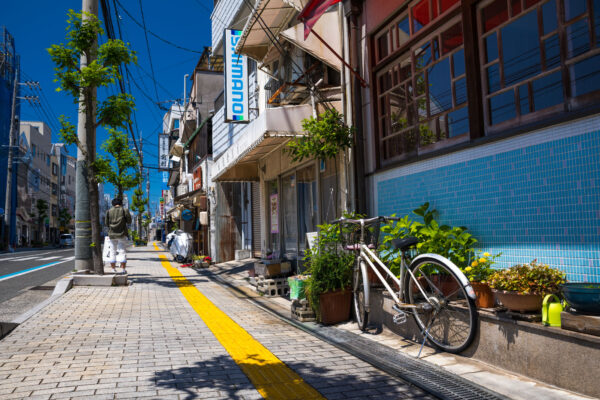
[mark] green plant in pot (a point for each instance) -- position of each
(330, 269)
(452, 242)
(522, 287)
(478, 274)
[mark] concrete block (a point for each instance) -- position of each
(63, 286)
(120, 280)
(243, 254)
(93, 280)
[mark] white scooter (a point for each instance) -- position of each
(180, 245)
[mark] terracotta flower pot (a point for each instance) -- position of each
(334, 306)
(446, 284)
(485, 297)
(520, 302)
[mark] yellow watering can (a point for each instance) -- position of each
(551, 311)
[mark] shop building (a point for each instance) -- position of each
(489, 111)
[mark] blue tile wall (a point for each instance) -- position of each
(539, 202)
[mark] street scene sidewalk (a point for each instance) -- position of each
(183, 333)
(146, 340)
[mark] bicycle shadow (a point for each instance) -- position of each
(221, 377)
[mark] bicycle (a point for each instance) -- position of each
(439, 295)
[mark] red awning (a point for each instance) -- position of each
(312, 12)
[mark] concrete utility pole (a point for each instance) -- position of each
(87, 138)
(8, 211)
(141, 160)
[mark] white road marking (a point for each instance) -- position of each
(49, 258)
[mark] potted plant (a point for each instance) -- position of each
(522, 287)
(330, 269)
(206, 261)
(478, 274)
(452, 242)
(197, 259)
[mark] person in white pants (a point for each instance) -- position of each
(117, 219)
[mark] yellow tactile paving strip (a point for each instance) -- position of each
(269, 375)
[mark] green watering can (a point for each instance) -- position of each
(551, 311)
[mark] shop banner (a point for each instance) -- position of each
(236, 79)
(163, 151)
(274, 213)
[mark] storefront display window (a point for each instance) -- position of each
(289, 212)
(273, 219)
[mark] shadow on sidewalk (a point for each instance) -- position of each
(222, 374)
(164, 281)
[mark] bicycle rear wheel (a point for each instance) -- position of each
(360, 292)
(451, 321)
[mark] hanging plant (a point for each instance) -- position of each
(326, 137)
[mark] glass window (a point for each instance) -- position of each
(426, 102)
(420, 15)
(288, 207)
(578, 38)
(574, 8)
(585, 76)
(502, 107)
(307, 204)
(520, 49)
(494, 14)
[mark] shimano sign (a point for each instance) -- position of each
(236, 79)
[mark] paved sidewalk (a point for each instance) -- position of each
(498, 380)
(146, 340)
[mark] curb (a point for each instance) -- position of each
(62, 286)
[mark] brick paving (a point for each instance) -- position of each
(146, 341)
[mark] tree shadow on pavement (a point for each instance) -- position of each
(221, 377)
(165, 281)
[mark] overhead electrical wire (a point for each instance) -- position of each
(154, 34)
(148, 48)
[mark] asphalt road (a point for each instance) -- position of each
(23, 270)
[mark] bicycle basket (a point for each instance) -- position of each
(350, 235)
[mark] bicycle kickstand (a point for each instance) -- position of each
(399, 318)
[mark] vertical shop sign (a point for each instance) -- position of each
(274, 213)
(236, 79)
(163, 151)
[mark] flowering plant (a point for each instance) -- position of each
(534, 277)
(207, 259)
(480, 268)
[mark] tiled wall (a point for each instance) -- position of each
(531, 196)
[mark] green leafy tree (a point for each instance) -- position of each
(138, 204)
(122, 172)
(81, 84)
(42, 212)
(64, 217)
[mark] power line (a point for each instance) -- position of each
(148, 48)
(154, 34)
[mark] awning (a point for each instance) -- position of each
(275, 15)
(272, 128)
(327, 27)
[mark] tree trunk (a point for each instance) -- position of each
(90, 109)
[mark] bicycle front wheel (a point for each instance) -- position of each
(447, 315)
(361, 292)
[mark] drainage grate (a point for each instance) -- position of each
(42, 288)
(426, 376)
(422, 374)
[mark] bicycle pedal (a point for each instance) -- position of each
(399, 318)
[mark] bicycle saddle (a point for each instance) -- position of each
(404, 244)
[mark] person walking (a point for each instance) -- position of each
(117, 219)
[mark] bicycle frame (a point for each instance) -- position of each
(367, 254)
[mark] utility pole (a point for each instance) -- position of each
(86, 133)
(141, 160)
(8, 212)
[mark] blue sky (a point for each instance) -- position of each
(37, 24)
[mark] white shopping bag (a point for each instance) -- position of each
(107, 249)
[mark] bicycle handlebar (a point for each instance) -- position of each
(366, 220)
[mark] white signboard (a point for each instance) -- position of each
(163, 151)
(236, 80)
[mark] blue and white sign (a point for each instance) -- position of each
(236, 80)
